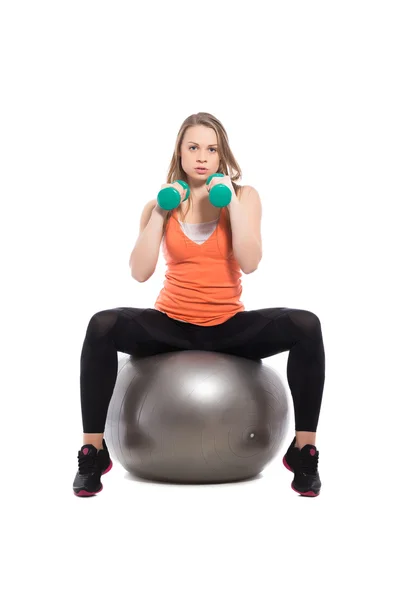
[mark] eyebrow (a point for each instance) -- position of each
(209, 145)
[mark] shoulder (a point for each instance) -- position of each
(247, 192)
(250, 189)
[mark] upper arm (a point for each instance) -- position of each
(251, 199)
(146, 214)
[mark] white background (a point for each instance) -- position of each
(92, 98)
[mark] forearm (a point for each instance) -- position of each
(145, 254)
(246, 247)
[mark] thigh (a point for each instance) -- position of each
(253, 334)
(145, 332)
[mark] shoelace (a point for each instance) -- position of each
(309, 464)
(87, 463)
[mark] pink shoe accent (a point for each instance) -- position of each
(286, 464)
(312, 451)
(85, 494)
(108, 468)
(85, 451)
(310, 493)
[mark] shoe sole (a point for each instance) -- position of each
(287, 465)
(309, 494)
(85, 493)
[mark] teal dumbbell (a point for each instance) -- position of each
(220, 194)
(169, 198)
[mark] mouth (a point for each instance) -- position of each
(201, 169)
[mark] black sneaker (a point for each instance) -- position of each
(92, 465)
(306, 479)
(291, 457)
(106, 462)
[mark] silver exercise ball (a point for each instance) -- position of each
(196, 417)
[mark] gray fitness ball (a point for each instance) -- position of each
(196, 417)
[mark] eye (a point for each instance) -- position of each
(190, 147)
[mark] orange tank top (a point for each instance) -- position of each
(203, 281)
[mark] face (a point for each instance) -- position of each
(199, 149)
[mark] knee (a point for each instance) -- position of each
(308, 321)
(313, 321)
(102, 322)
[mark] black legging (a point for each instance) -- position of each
(253, 334)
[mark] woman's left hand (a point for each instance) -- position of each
(225, 180)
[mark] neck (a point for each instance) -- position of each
(200, 204)
(197, 187)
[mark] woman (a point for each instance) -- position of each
(199, 306)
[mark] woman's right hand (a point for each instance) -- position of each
(178, 187)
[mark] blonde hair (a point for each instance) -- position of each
(228, 164)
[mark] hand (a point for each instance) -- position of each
(178, 187)
(225, 180)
